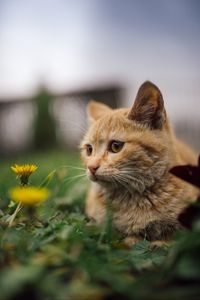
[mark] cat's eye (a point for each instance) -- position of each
(88, 148)
(115, 146)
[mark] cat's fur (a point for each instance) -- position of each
(144, 197)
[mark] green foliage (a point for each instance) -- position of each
(54, 252)
(44, 126)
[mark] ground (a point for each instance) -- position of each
(54, 252)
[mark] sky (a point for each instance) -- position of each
(69, 44)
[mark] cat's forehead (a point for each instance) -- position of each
(111, 126)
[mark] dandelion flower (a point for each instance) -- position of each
(23, 172)
(29, 195)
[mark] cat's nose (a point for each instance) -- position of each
(93, 169)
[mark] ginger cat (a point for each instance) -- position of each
(128, 154)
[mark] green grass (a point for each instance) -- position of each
(53, 252)
(46, 162)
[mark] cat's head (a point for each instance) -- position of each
(128, 148)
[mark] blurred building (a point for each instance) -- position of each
(59, 119)
(50, 119)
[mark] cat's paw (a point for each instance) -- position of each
(158, 244)
(131, 240)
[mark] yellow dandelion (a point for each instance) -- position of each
(29, 195)
(24, 171)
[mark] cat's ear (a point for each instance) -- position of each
(96, 110)
(148, 107)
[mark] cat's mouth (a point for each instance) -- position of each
(97, 178)
(102, 180)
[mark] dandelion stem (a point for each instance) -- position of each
(12, 217)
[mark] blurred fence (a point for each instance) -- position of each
(59, 119)
(48, 119)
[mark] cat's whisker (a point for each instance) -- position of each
(120, 178)
(112, 181)
(134, 182)
(73, 167)
(82, 119)
(129, 181)
(127, 170)
(132, 175)
(72, 130)
(64, 123)
(116, 180)
(74, 177)
(71, 127)
(71, 179)
(122, 182)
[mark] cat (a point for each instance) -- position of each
(128, 154)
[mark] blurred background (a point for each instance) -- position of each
(56, 55)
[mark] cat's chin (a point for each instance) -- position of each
(98, 179)
(93, 177)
